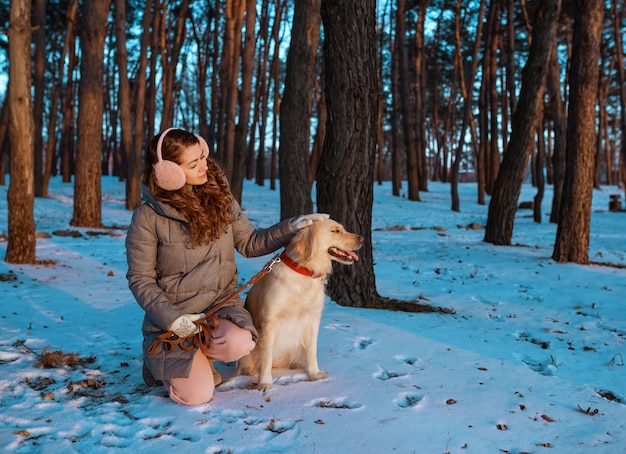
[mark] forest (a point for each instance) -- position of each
(325, 95)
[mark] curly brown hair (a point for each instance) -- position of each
(207, 208)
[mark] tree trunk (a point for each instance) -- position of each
(171, 43)
(408, 117)
(320, 133)
(466, 92)
(21, 192)
(420, 95)
(57, 86)
(346, 172)
(572, 236)
(618, 18)
(134, 161)
(540, 160)
(511, 55)
(295, 111)
(229, 73)
(345, 175)
(269, 94)
(39, 74)
(245, 99)
(88, 184)
(508, 184)
(259, 120)
(151, 84)
(493, 152)
(4, 138)
(124, 102)
(396, 161)
(68, 115)
(557, 112)
(602, 133)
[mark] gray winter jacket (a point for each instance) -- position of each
(169, 278)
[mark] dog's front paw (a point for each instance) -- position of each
(264, 386)
(317, 375)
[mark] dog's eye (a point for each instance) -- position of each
(335, 231)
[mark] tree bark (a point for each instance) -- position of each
(508, 184)
(346, 172)
(133, 197)
(295, 110)
(396, 159)
(345, 175)
(408, 117)
(466, 92)
(539, 160)
(557, 112)
(133, 173)
(55, 95)
(39, 85)
(88, 184)
(229, 74)
(493, 152)
(420, 95)
(572, 236)
(320, 132)
(171, 43)
(4, 138)
(21, 193)
(245, 99)
(618, 18)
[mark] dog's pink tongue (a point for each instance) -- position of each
(353, 255)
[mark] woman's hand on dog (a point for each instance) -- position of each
(304, 221)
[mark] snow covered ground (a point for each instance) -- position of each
(532, 360)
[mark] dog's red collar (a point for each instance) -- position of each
(298, 268)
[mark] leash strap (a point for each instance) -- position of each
(202, 339)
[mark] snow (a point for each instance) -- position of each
(532, 360)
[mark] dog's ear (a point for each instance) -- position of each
(303, 244)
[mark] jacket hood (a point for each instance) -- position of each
(161, 208)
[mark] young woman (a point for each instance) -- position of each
(181, 260)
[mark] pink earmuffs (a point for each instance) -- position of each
(168, 174)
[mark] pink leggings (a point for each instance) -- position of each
(228, 343)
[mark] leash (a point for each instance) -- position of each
(202, 339)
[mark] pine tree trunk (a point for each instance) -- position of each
(540, 162)
(493, 152)
(557, 112)
(21, 192)
(133, 173)
(508, 184)
(572, 237)
(4, 141)
(346, 172)
(468, 103)
(57, 85)
(68, 109)
(408, 117)
(39, 72)
(229, 74)
(171, 43)
(88, 184)
(295, 111)
(129, 169)
(420, 95)
(396, 161)
(618, 18)
(245, 99)
(320, 133)
(345, 175)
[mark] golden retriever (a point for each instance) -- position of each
(286, 304)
